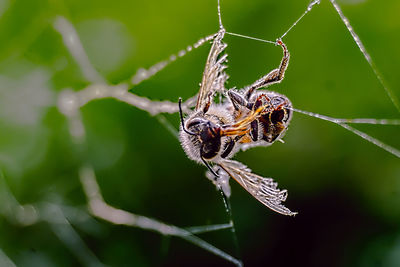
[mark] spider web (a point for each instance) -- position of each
(62, 217)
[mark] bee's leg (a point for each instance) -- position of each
(237, 100)
(275, 76)
(207, 104)
(228, 148)
(254, 130)
(273, 132)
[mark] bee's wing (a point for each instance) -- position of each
(263, 189)
(214, 76)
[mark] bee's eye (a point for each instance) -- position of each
(194, 122)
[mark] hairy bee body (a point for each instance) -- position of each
(216, 145)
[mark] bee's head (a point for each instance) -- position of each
(199, 126)
(200, 137)
(203, 128)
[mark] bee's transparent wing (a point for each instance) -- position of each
(214, 76)
(263, 189)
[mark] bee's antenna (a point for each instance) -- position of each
(181, 115)
(209, 167)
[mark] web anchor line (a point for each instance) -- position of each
(309, 8)
(366, 55)
(344, 123)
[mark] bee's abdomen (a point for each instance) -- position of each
(273, 123)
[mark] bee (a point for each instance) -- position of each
(214, 132)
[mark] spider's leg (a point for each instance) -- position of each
(275, 76)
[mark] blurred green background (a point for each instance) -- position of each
(346, 190)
